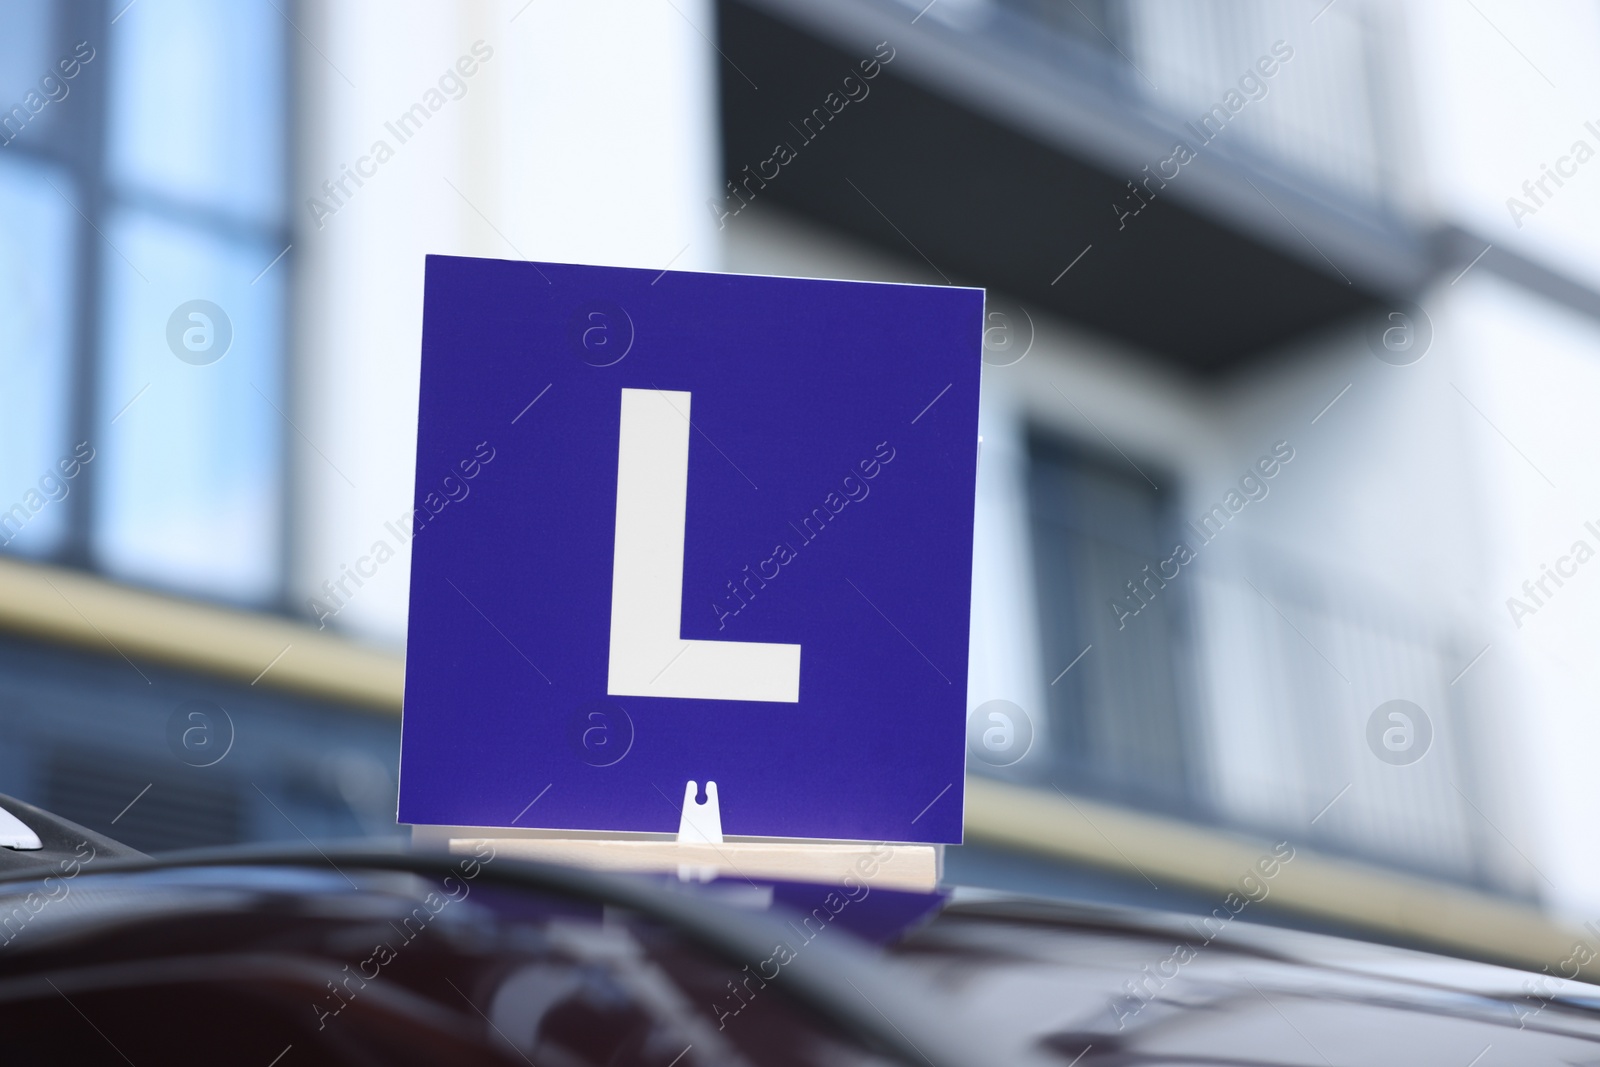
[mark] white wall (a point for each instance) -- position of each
(589, 135)
(1536, 373)
(1502, 88)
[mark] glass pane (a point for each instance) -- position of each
(1097, 532)
(189, 392)
(27, 100)
(37, 235)
(209, 128)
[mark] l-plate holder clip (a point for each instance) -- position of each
(699, 824)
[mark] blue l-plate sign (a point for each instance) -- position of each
(726, 535)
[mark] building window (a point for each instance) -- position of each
(144, 269)
(1117, 719)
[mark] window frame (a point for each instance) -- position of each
(1046, 445)
(77, 143)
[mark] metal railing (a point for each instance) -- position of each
(1292, 673)
(1325, 113)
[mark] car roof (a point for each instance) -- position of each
(1099, 984)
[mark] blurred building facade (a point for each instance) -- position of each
(1219, 236)
(1311, 293)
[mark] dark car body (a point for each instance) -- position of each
(1107, 987)
(386, 956)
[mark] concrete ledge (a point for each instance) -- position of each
(1447, 917)
(74, 608)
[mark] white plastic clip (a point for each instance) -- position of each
(699, 824)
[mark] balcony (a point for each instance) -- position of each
(1056, 128)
